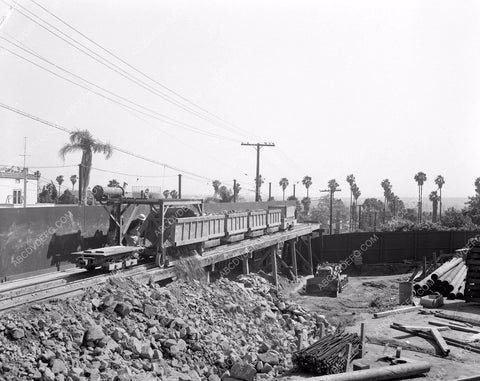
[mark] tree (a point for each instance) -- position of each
(439, 180)
(60, 181)
(356, 195)
(113, 183)
(67, 198)
(83, 141)
(173, 194)
(351, 182)
(473, 204)
(166, 193)
(387, 191)
(433, 197)
(48, 194)
(284, 184)
(307, 181)
(226, 195)
(237, 188)
(420, 178)
(306, 202)
(216, 185)
(73, 180)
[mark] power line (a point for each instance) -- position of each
(137, 70)
(102, 60)
(160, 117)
(61, 128)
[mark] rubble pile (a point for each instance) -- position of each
(187, 330)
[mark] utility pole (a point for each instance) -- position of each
(269, 191)
(331, 191)
(179, 186)
(293, 190)
(257, 177)
(234, 190)
(25, 172)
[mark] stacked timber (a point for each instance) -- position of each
(472, 285)
(447, 280)
(328, 355)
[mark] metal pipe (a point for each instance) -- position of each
(438, 273)
(448, 278)
(390, 372)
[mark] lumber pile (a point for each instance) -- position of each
(329, 355)
(447, 280)
(472, 285)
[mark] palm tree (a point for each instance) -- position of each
(332, 187)
(351, 181)
(73, 180)
(356, 194)
(60, 181)
(387, 190)
(82, 140)
(174, 194)
(420, 178)
(216, 185)
(439, 180)
(166, 193)
(433, 197)
(307, 181)
(284, 184)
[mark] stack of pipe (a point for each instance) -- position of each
(328, 355)
(447, 280)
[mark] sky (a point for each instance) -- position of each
(378, 89)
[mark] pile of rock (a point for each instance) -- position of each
(130, 331)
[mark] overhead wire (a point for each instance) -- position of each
(92, 54)
(247, 133)
(150, 113)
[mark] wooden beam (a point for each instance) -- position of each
(245, 265)
(273, 254)
(397, 311)
(310, 254)
(294, 260)
(349, 355)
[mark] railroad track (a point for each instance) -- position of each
(70, 285)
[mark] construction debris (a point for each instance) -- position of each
(329, 355)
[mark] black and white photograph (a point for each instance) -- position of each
(239, 190)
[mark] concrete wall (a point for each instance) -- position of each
(389, 246)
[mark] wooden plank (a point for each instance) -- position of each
(349, 357)
(274, 265)
(454, 326)
(449, 316)
(440, 341)
(397, 311)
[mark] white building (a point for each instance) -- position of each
(12, 188)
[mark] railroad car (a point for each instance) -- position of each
(173, 227)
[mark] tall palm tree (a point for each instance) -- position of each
(73, 180)
(356, 195)
(307, 181)
(82, 140)
(433, 197)
(332, 187)
(420, 178)
(351, 181)
(216, 185)
(166, 193)
(439, 180)
(60, 181)
(387, 189)
(284, 184)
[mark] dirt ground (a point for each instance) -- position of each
(365, 295)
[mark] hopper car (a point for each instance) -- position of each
(173, 227)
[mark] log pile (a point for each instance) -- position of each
(447, 280)
(328, 355)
